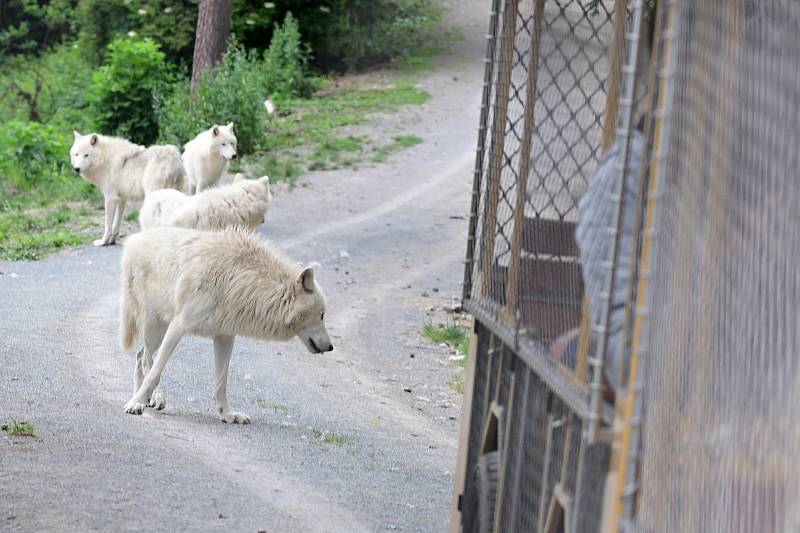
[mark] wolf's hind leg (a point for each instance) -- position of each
(110, 211)
(223, 347)
(175, 332)
(154, 331)
(120, 209)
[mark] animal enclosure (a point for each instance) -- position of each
(698, 432)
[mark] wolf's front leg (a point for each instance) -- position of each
(142, 397)
(111, 208)
(223, 347)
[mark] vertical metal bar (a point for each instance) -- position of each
(491, 44)
(629, 72)
(629, 453)
(579, 473)
(548, 450)
(508, 414)
(520, 445)
(498, 142)
(514, 267)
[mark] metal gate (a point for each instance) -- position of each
(687, 421)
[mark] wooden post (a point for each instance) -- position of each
(512, 286)
(498, 142)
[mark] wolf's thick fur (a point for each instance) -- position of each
(125, 172)
(242, 203)
(206, 156)
(177, 281)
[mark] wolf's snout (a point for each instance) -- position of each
(233, 156)
(76, 169)
(328, 349)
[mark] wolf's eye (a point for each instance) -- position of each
(85, 155)
(322, 317)
(223, 144)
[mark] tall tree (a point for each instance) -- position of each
(213, 27)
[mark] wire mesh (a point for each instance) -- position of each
(721, 435)
(558, 127)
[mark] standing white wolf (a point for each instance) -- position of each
(125, 172)
(242, 203)
(206, 156)
(177, 281)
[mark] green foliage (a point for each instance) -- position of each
(452, 334)
(398, 143)
(32, 154)
(286, 62)
(122, 90)
(342, 33)
(30, 26)
(233, 91)
(361, 33)
(170, 23)
(24, 429)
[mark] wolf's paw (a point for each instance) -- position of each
(134, 407)
(232, 417)
(157, 401)
(102, 242)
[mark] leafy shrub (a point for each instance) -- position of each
(365, 32)
(170, 23)
(232, 92)
(342, 33)
(32, 155)
(122, 90)
(286, 62)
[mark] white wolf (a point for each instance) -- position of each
(125, 172)
(206, 156)
(216, 284)
(242, 203)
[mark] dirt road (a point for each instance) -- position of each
(336, 443)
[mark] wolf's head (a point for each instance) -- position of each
(225, 140)
(85, 152)
(307, 318)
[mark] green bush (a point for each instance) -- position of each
(170, 23)
(122, 90)
(342, 33)
(286, 62)
(233, 92)
(33, 155)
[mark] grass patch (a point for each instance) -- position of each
(456, 382)
(336, 153)
(454, 335)
(260, 401)
(29, 232)
(399, 143)
(277, 168)
(312, 122)
(419, 60)
(328, 437)
(133, 216)
(20, 429)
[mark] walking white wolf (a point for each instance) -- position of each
(125, 172)
(242, 203)
(214, 284)
(206, 157)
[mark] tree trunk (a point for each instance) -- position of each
(213, 27)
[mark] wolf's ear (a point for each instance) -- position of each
(238, 177)
(306, 279)
(265, 179)
(77, 135)
(230, 126)
(215, 131)
(93, 140)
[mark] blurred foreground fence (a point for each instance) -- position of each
(676, 410)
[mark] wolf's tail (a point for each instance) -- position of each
(129, 313)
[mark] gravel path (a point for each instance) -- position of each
(336, 443)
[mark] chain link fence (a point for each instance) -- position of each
(686, 421)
